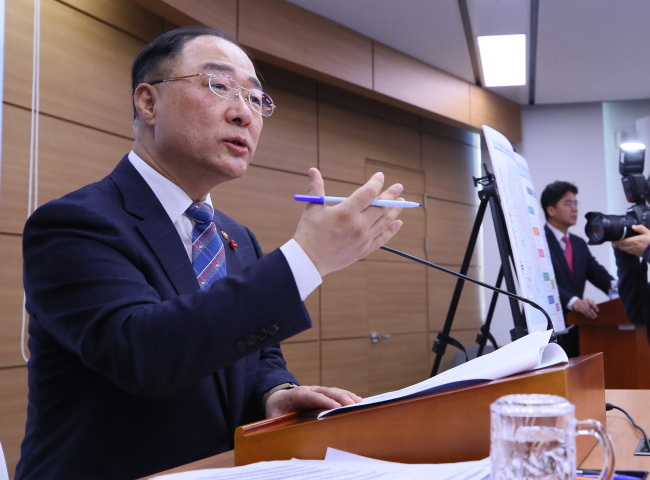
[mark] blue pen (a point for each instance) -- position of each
(615, 477)
(618, 474)
(376, 203)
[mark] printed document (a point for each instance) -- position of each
(340, 465)
(524, 354)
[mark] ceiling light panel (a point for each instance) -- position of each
(503, 59)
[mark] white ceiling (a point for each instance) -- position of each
(586, 50)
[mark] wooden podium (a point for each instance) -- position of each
(624, 346)
(442, 427)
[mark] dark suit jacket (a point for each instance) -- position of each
(633, 287)
(133, 369)
(585, 268)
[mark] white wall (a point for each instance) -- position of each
(575, 143)
(623, 121)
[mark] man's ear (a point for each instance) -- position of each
(550, 211)
(144, 99)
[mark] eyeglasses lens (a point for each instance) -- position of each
(226, 87)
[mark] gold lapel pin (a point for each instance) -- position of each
(231, 243)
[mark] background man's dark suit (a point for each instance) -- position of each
(113, 343)
(571, 285)
(585, 268)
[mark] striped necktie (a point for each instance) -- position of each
(208, 253)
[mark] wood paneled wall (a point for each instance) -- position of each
(303, 42)
(87, 47)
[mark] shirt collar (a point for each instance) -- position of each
(173, 199)
(558, 234)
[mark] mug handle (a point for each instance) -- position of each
(595, 428)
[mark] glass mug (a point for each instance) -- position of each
(533, 436)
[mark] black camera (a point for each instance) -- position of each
(601, 228)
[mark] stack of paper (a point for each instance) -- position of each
(524, 354)
(340, 465)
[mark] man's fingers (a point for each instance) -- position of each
(312, 397)
(640, 229)
(387, 234)
(336, 392)
(364, 195)
(587, 307)
(343, 397)
(385, 218)
(316, 184)
(393, 192)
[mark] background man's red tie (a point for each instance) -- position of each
(568, 252)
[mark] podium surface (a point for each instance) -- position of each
(451, 426)
(624, 435)
(625, 347)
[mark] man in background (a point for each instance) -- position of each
(155, 322)
(573, 263)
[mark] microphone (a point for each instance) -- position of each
(478, 282)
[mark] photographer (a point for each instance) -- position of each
(629, 234)
(633, 275)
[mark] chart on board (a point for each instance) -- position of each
(525, 225)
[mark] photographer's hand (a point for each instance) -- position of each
(637, 244)
(586, 307)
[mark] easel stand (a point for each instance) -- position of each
(487, 195)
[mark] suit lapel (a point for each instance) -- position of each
(164, 242)
(156, 228)
(163, 239)
(558, 254)
(245, 253)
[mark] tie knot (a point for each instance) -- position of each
(200, 212)
(566, 239)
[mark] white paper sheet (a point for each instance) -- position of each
(522, 355)
(339, 465)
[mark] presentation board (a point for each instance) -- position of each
(525, 224)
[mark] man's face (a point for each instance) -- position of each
(201, 139)
(565, 212)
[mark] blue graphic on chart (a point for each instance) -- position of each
(525, 224)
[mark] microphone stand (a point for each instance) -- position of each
(485, 334)
(488, 196)
(470, 279)
(473, 280)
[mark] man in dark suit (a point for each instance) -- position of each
(136, 364)
(632, 257)
(561, 210)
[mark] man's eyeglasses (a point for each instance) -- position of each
(570, 203)
(226, 87)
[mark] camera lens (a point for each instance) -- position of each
(601, 228)
(594, 229)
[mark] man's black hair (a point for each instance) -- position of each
(554, 192)
(151, 63)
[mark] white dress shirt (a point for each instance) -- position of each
(175, 201)
(560, 235)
